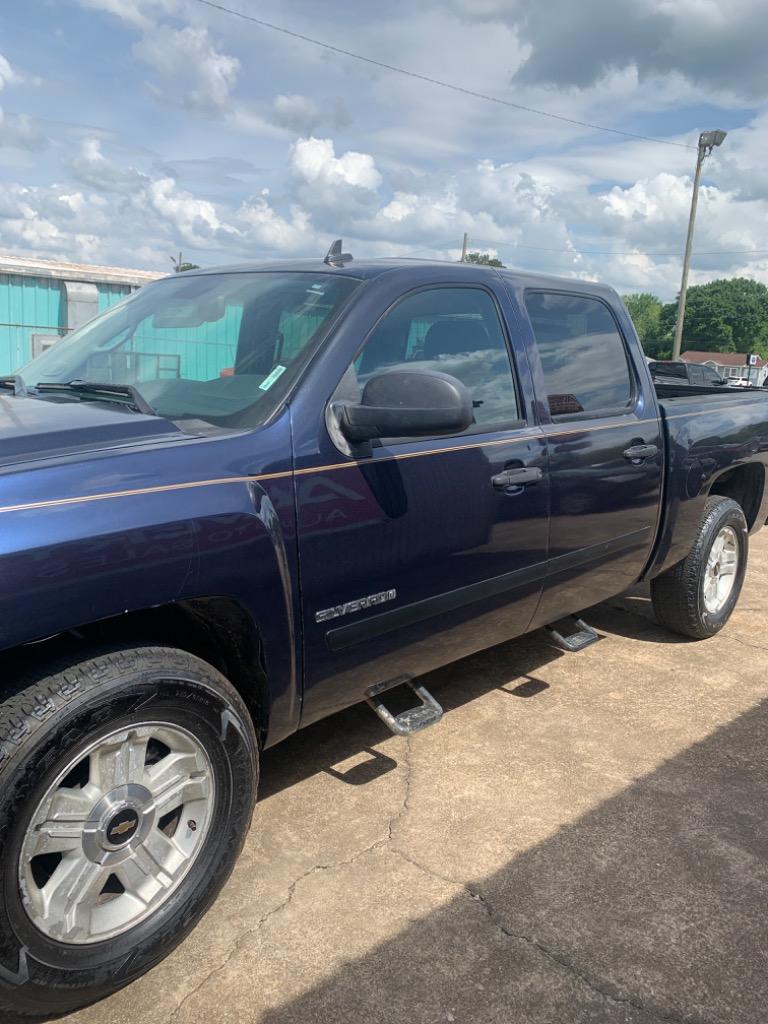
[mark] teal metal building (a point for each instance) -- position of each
(43, 300)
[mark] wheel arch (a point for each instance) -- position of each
(744, 484)
(219, 630)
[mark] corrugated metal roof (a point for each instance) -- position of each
(27, 266)
(718, 358)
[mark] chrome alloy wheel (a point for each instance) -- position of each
(720, 572)
(116, 833)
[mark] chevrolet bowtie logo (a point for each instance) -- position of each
(122, 828)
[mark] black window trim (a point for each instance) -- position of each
(605, 413)
(503, 426)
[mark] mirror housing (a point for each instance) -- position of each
(407, 403)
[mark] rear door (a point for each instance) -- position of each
(424, 551)
(605, 450)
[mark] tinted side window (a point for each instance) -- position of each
(710, 376)
(453, 330)
(668, 370)
(695, 375)
(582, 353)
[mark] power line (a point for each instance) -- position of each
(437, 81)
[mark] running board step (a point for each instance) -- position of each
(427, 713)
(572, 634)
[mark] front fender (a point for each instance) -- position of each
(65, 565)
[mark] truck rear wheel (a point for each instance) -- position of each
(697, 596)
(127, 783)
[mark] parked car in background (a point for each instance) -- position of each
(247, 498)
(668, 371)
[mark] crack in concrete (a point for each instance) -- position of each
(397, 819)
(392, 825)
(737, 638)
(593, 984)
(726, 635)
(600, 988)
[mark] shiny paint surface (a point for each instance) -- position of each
(597, 494)
(104, 512)
(706, 437)
(68, 557)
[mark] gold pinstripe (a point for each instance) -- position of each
(192, 484)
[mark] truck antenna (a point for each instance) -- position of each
(335, 257)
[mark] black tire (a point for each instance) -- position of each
(47, 720)
(678, 594)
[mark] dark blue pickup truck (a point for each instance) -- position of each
(246, 498)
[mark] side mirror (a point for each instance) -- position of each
(407, 403)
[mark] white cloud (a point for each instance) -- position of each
(315, 162)
(196, 220)
(714, 45)
(202, 76)
(18, 131)
(267, 229)
(136, 13)
(7, 75)
(402, 166)
(91, 167)
(528, 216)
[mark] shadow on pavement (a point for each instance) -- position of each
(652, 907)
(355, 731)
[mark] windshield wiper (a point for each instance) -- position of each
(16, 383)
(102, 392)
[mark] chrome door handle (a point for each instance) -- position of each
(640, 452)
(516, 477)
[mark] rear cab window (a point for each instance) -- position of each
(583, 356)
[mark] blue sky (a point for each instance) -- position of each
(132, 129)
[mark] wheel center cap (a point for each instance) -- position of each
(118, 823)
(123, 827)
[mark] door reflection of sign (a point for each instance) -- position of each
(327, 503)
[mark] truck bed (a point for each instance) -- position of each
(668, 392)
(709, 431)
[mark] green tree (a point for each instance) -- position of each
(645, 310)
(483, 258)
(180, 264)
(729, 315)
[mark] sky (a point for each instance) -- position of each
(131, 130)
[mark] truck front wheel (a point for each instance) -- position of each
(127, 783)
(697, 596)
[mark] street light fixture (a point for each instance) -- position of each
(707, 142)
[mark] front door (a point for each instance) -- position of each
(605, 452)
(423, 552)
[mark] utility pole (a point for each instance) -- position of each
(464, 248)
(177, 263)
(707, 142)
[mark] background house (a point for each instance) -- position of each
(43, 300)
(730, 365)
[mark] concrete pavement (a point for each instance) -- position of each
(583, 838)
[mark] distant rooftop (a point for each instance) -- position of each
(718, 358)
(28, 266)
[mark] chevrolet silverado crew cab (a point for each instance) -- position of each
(246, 498)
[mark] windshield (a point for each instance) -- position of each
(222, 348)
